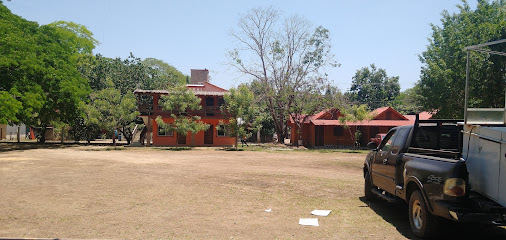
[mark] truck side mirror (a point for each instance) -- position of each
(372, 145)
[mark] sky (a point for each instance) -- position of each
(194, 34)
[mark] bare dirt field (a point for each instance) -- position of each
(204, 193)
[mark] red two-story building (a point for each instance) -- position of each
(211, 99)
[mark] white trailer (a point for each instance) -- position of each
(484, 142)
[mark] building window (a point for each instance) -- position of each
(161, 101)
(221, 101)
(221, 131)
(165, 132)
(338, 131)
(209, 101)
(388, 115)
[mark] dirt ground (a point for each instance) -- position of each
(205, 193)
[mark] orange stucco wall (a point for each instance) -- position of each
(199, 137)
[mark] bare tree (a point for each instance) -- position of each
(288, 60)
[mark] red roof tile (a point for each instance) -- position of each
(389, 123)
(379, 111)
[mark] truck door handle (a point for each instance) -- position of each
(385, 161)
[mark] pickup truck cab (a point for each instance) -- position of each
(422, 165)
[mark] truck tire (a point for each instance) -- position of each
(422, 222)
(369, 195)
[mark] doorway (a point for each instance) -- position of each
(208, 135)
(181, 139)
(319, 135)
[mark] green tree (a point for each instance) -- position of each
(126, 74)
(113, 111)
(38, 68)
(181, 102)
(9, 107)
(312, 99)
(286, 58)
(373, 87)
(408, 101)
(18, 66)
(244, 113)
(442, 79)
(354, 114)
(162, 75)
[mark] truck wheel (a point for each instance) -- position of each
(369, 195)
(423, 223)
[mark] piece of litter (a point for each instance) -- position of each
(322, 213)
(309, 221)
(268, 210)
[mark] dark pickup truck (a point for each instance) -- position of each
(422, 164)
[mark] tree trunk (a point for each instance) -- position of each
(114, 138)
(43, 135)
(18, 135)
(62, 134)
(352, 136)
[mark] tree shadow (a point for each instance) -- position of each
(397, 215)
(6, 147)
(15, 146)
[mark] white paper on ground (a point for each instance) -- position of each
(322, 213)
(308, 221)
(268, 210)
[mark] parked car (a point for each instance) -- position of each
(378, 138)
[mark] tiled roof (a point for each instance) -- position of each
(378, 111)
(388, 123)
(307, 118)
(150, 91)
(202, 93)
(421, 116)
(209, 93)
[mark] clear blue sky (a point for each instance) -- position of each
(195, 34)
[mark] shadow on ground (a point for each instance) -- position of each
(14, 146)
(397, 215)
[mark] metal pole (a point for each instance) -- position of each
(467, 87)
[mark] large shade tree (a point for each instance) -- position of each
(442, 79)
(161, 75)
(244, 113)
(38, 70)
(121, 77)
(286, 56)
(114, 111)
(373, 87)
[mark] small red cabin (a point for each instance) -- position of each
(325, 129)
